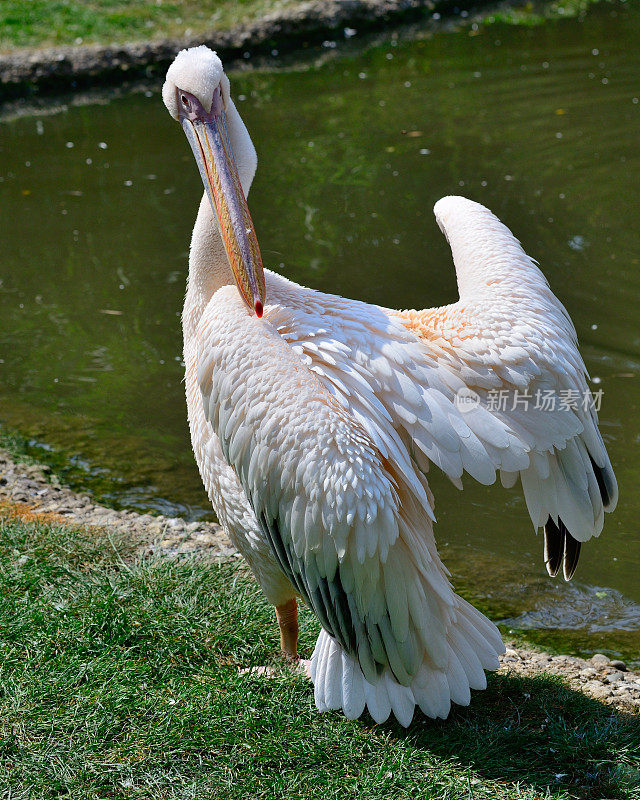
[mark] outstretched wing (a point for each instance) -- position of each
(509, 347)
(492, 382)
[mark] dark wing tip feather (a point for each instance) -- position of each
(560, 548)
(606, 483)
(553, 547)
(571, 556)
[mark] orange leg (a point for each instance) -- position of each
(287, 615)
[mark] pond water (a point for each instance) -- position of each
(542, 125)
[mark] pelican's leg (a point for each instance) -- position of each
(287, 616)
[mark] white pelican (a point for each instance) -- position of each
(314, 420)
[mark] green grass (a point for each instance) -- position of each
(118, 678)
(37, 23)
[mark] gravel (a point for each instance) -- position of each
(605, 679)
(599, 677)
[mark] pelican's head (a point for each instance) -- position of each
(196, 92)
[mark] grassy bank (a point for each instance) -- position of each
(118, 678)
(41, 23)
(38, 23)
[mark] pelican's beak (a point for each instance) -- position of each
(209, 140)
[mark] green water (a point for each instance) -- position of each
(542, 125)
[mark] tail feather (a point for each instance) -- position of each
(332, 689)
(401, 699)
(469, 662)
(353, 696)
(458, 682)
(473, 644)
(377, 699)
(431, 690)
(478, 628)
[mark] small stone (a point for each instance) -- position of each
(589, 672)
(600, 660)
(601, 692)
(618, 665)
(614, 677)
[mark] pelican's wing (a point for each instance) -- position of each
(493, 382)
(339, 500)
(509, 350)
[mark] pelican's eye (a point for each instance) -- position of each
(185, 101)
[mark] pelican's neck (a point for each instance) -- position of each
(209, 268)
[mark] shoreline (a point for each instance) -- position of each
(29, 72)
(32, 489)
(36, 489)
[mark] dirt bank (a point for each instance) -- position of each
(24, 73)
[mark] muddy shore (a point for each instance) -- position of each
(26, 73)
(33, 487)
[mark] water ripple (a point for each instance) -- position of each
(589, 608)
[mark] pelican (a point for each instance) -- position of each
(315, 420)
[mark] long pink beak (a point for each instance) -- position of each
(209, 140)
